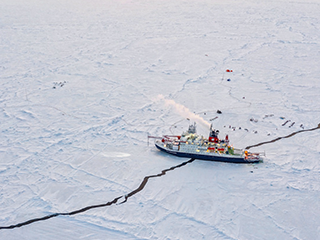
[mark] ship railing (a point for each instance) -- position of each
(254, 156)
(237, 151)
(165, 138)
(172, 136)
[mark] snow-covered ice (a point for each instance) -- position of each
(83, 83)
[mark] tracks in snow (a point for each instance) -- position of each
(114, 201)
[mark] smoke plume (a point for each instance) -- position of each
(185, 112)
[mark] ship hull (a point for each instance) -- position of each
(208, 157)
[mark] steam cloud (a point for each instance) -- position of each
(185, 112)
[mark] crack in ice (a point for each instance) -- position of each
(288, 136)
(114, 201)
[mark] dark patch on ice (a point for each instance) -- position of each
(253, 120)
(286, 122)
(114, 201)
(288, 136)
(213, 118)
(58, 84)
(268, 115)
(292, 124)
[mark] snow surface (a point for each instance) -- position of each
(83, 83)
